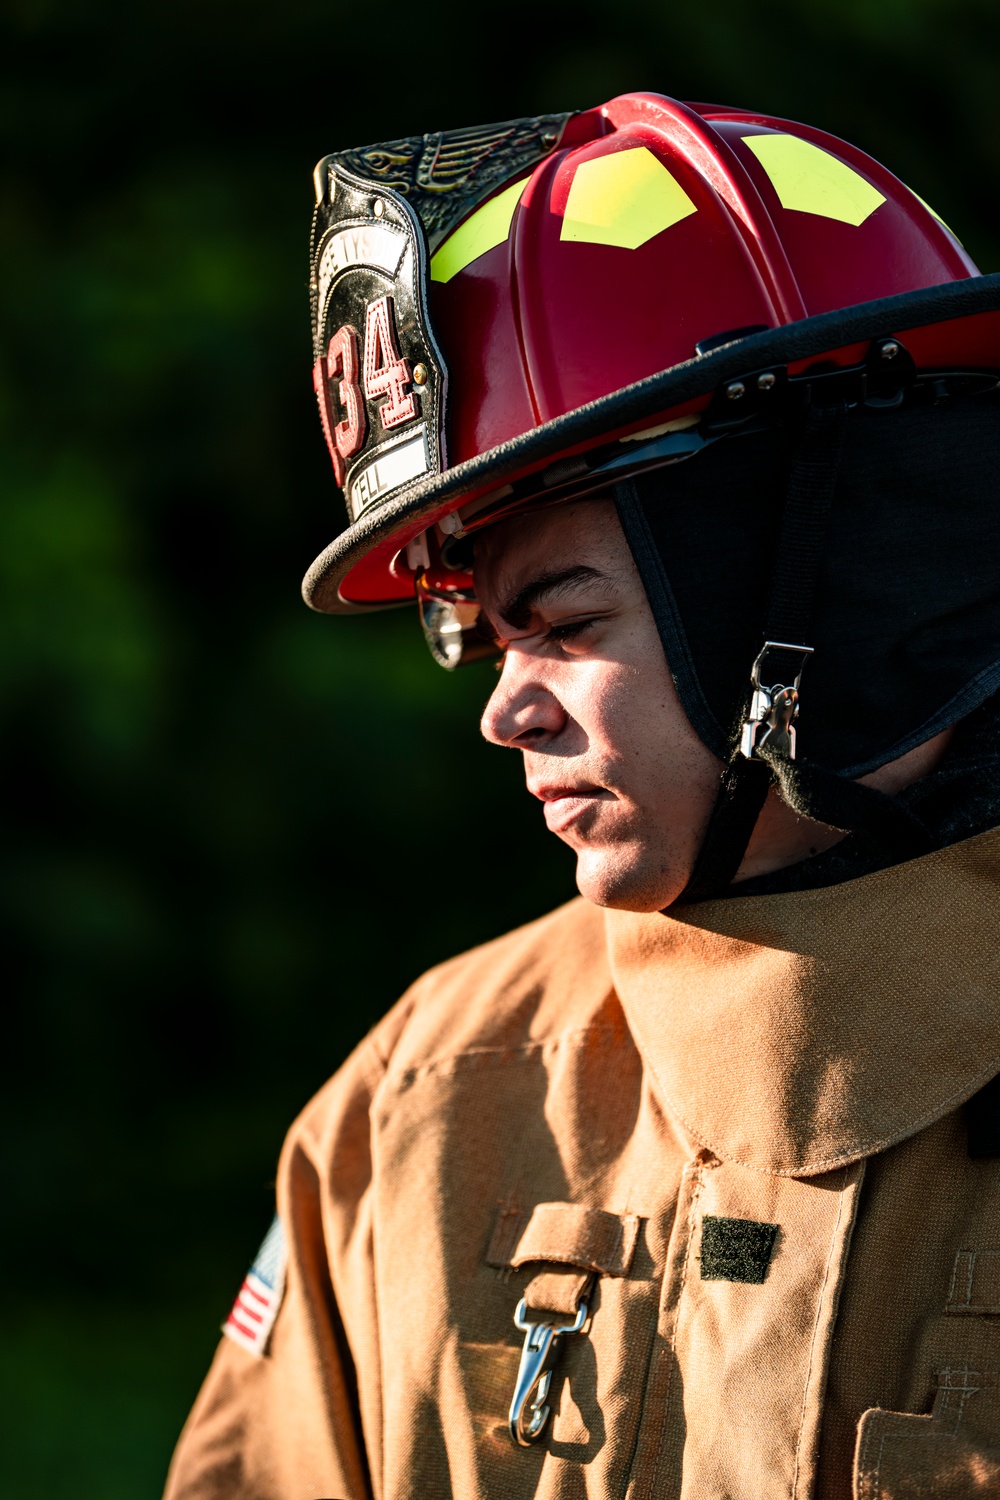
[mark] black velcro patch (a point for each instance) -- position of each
(735, 1249)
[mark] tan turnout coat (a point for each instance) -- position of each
(598, 1105)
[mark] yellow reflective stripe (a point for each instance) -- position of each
(810, 180)
(487, 227)
(623, 198)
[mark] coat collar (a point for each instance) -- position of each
(796, 1033)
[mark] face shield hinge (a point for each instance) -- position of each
(774, 706)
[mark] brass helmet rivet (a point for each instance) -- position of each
(421, 374)
(736, 390)
(766, 381)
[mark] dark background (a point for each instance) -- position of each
(233, 831)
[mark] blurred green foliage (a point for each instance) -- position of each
(233, 831)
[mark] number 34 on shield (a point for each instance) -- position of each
(384, 375)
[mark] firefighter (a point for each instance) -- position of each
(692, 1187)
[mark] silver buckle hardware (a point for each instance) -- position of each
(775, 706)
(528, 1410)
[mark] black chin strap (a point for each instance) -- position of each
(742, 793)
(765, 754)
(840, 803)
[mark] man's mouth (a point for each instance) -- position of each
(564, 804)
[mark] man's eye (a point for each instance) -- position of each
(569, 630)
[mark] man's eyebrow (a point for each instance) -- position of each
(517, 609)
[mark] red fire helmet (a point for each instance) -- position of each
(531, 311)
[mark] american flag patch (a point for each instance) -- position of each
(256, 1307)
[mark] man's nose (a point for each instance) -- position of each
(522, 711)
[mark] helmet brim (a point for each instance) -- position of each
(367, 548)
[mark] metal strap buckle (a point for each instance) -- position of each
(775, 706)
(528, 1410)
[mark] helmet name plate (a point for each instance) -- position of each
(391, 468)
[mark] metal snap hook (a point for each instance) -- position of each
(528, 1410)
(774, 708)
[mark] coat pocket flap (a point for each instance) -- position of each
(903, 1457)
(567, 1234)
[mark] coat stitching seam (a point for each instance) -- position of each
(812, 1345)
(698, 1183)
(518, 1052)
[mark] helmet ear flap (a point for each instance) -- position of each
(767, 740)
(766, 753)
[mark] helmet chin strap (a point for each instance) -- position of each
(764, 754)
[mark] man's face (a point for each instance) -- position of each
(586, 696)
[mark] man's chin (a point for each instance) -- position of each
(626, 880)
